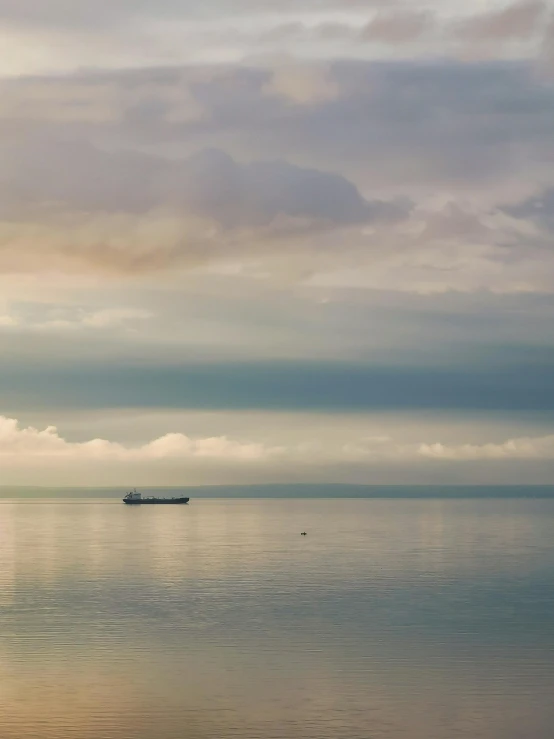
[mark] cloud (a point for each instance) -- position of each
(375, 449)
(302, 84)
(81, 14)
(52, 318)
(60, 13)
(382, 125)
(547, 50)
(538, 209)
(22, 445)
(70, 205)
(100, 99)
(107, 317)
(212, 184)
(517, 21)
(395, 28)
(50, 174)
(400, 27)
(523, 448)
(79, 35)
(320, 210)
(497, 375)
(378, 449)
(377, 175)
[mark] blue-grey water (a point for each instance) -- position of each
(397, 619)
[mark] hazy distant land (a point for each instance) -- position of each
(296, 491)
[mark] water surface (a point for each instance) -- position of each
(419, 619)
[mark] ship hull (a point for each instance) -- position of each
(157, 501)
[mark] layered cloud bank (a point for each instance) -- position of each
(23, 444)
(277, 207)
(46, 451)
(119, 32)
(346, 173)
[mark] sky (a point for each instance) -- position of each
(259, 241)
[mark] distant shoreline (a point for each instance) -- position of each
(299, 491)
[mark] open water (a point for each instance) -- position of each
(396, 619)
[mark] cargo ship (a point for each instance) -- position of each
(135, 498)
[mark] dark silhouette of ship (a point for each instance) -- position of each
(135, 498)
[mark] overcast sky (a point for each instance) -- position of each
(260, 241)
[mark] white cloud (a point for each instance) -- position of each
(215, 447)
(22, 445)
(541, 447)
(39, 317)
(377, 449)
(108, 317)
(246, 448)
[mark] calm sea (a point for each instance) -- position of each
(404, 619)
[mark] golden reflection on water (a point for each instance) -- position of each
(419, 619)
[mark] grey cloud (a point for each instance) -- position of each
(367, 141)
(84, 14)
(453, 222)
(81, 13)
(211, 184)
(322, 324)
(351, 387)
(44, 172)
(297, 31)
(539, 209)
(389, 27)
(547, 51)
(82, 34)
(398, 28)
(517, 21)
(391, 123)
(71, 206)
(381, 124)
(408, 125)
